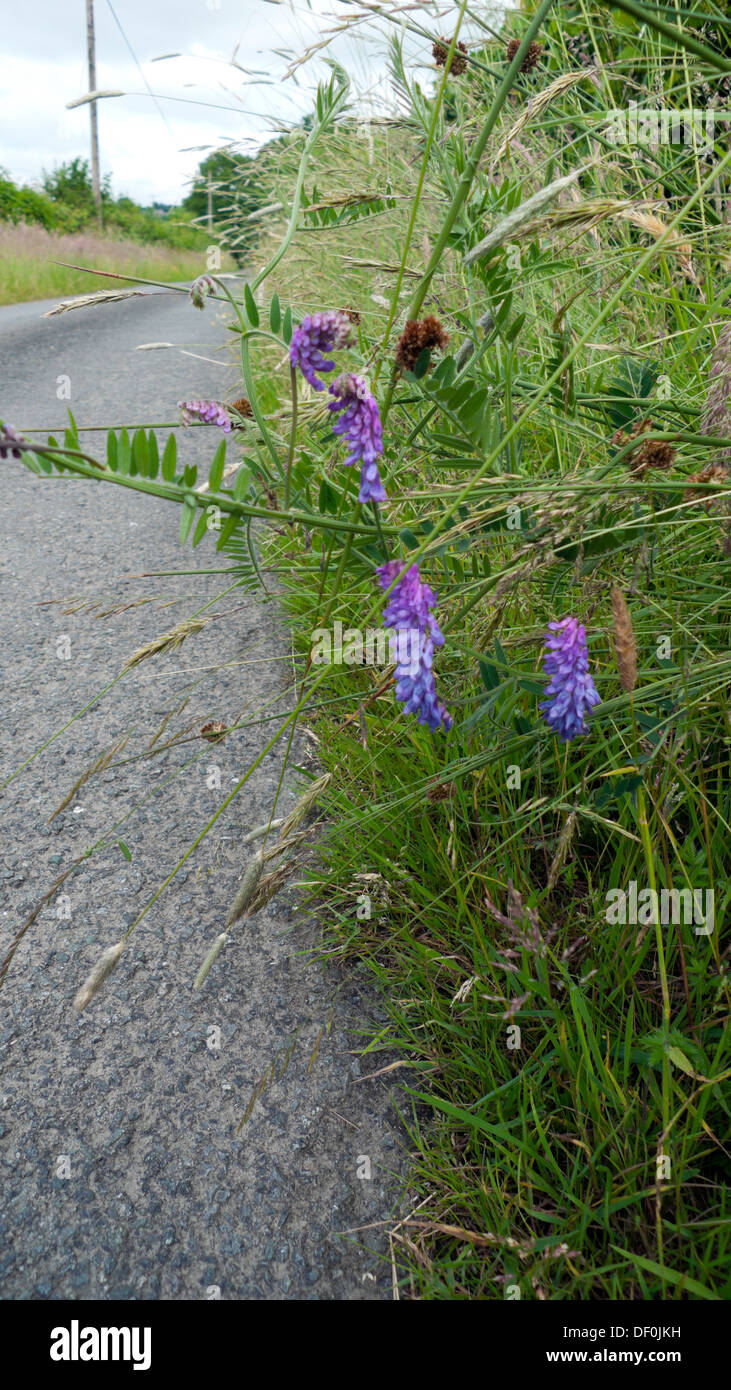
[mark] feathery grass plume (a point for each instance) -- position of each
(88, 301)
(507, 228)
(254, 870)
(419, 335)
(538, 104)
(303, 805)
(531, 58)
(440, 49)
(167, 642)
(210, 959)
(562, 849)
(650, 223)
(625, 643)
(716, 417)
(96, 977)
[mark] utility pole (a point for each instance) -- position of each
(95, 182)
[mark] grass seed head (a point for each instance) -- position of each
(96, 977)
(625, 644)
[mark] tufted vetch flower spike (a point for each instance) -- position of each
(317, 334)
(211, 412)
(408, 610)
(571, 691)
(360, 423)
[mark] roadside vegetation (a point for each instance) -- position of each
(57, 221)
(540, 311)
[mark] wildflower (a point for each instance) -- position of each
(419, 334)
(571, 691)
(200, 290)
(11, 442)
(408, 609)
(351, 314)
(440, 49)
(210, 411)
(360, 422)
(531, 58)
(318, 333)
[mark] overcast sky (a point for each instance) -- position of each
(152, 149)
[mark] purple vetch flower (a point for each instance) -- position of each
(11, 442)
(200, 290)
(318, 333)
(571, 691)
(210, 411)
(408, 609)
(360, 422)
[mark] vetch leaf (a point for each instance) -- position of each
(216, 474)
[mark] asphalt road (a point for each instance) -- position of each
(121, 1170)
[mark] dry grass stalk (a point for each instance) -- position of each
(212, 956)
(303, 805)
(100, 765)
(625, 643)
(167, 642)
(538, 104)
(562, 849)
(89, 301)
(96, 977)
(248, 888)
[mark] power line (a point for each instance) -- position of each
(139, 69)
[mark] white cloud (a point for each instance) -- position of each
(148, 156)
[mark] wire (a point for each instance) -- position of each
(139, 69)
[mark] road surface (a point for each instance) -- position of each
(122, 1172)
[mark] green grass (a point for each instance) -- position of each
(27, 271)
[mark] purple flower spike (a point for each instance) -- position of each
(571, 691)
(210, 411)
(318, 333)
(11, 442)
(360, 422)
(407, 610)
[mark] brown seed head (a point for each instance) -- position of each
(531, 58)
(440, 49)
(243, 407)
(214, 731)
(419, 334)
(650, 453)
(625, 645)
